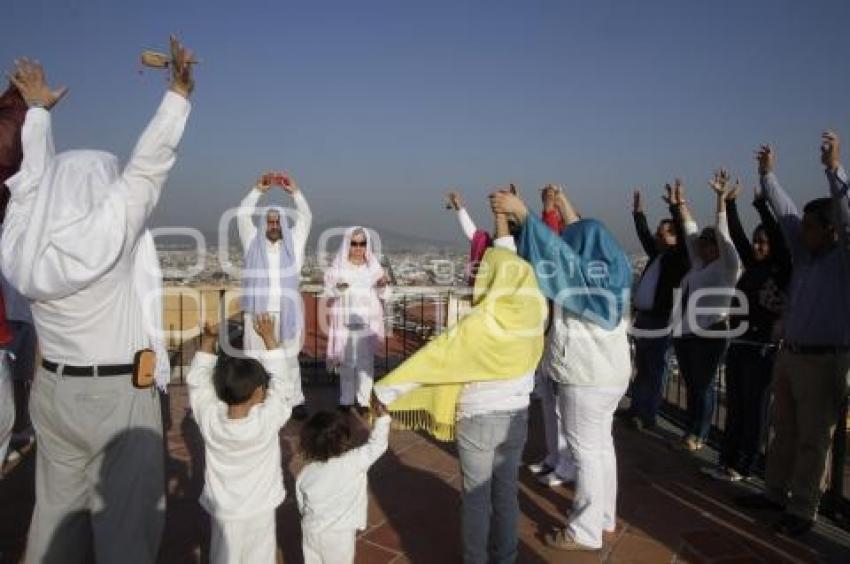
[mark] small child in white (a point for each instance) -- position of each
(331, 488)
(240, 404)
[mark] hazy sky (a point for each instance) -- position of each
(377, 106)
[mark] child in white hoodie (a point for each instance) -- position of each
(332, 488)
(240, 404)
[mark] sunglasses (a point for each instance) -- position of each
(358, 244)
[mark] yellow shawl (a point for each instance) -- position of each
(500, 339)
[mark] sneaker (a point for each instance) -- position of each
(721, 473)
(551, 479)
(792, 525)
(689, 443)
(562, 540)
(539, 468)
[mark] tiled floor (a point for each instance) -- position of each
(668, 511)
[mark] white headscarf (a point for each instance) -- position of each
(77, 235)
(78, 227)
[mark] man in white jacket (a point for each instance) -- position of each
(74, 243)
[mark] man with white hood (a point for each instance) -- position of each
(74, 242)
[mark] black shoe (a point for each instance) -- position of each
(758, 501)
(363, 411)
(792, 526)
(300, 412)
(345, 408)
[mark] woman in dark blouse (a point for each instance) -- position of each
(749, 362)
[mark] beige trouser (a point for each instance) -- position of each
(99, 483)
(808, 393)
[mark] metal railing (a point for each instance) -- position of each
(413, 316)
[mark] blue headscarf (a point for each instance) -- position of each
(255, 280)
(584, 270)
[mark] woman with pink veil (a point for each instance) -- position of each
(356, 286)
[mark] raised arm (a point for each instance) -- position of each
(155, 152)
(455, 202)
(37, 148)
(277, 406)
(247, 208)
(779, 252)
(728, 255)
(736, 229)
(786, 212)
(686, 226)
(303, 221)
(647, 241)
(838, 187)
(365, 456)
(202, 396)
(37, 135)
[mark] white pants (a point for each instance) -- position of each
(244, 541)
(7, 405)
(588, 415)
(329, 547)
(253, 345)
(557, 454)
(357, 370)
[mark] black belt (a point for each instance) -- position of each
(815, 349)
(103, 370)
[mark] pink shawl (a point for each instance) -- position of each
(338, 333)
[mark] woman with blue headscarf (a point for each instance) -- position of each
(585, 272)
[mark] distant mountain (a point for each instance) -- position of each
(393, 241)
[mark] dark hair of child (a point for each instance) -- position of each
(235, 379)
(325, 435)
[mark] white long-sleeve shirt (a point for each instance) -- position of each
(478, 398)
(332, 495)
(299, 231)
(243, 475)
(719, 275)
(101, 323)
(466, 223)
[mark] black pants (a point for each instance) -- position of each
(749, 369)
(699, 359)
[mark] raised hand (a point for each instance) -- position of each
(454, 201)
(378, 408)
(287, 183)
(265, 182)
(669, 195)
(830, 154)
(209, 337)
(637, 203)
(720, 183)
(30, 80)
(766, 158)
(505, 202)
(264, 326)
(678, 192)
(182, 81)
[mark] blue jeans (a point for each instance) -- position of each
(699, 360)
(650, 377)
(490, 450)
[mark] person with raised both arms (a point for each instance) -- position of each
(74, 242)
